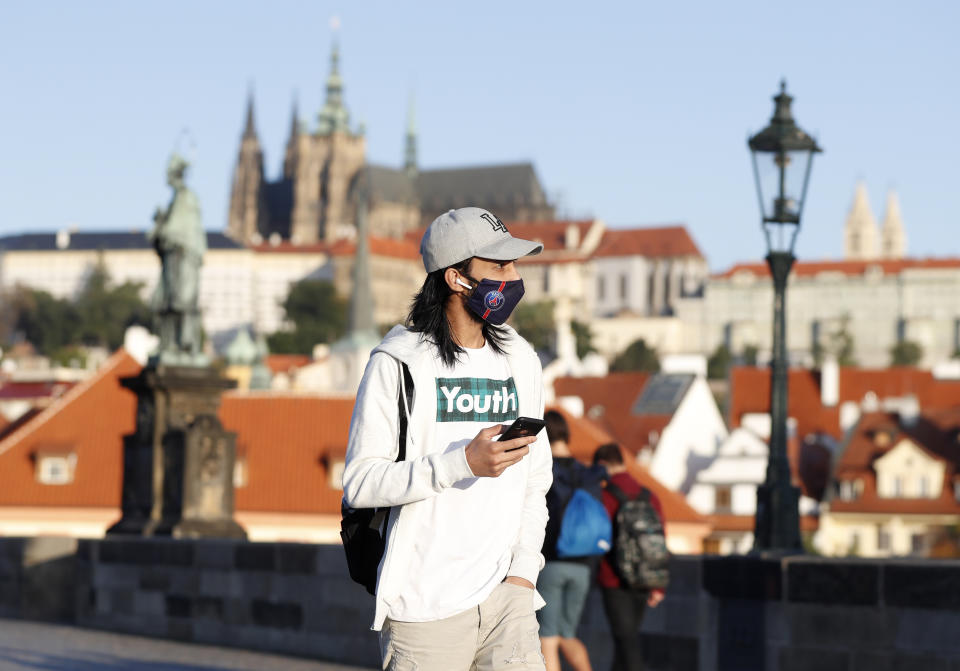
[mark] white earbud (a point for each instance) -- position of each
(463, 284)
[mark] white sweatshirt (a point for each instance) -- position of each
(372, 478)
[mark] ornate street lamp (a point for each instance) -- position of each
(782, 157)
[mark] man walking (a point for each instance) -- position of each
(455, 589)
(564, 582)
(624, 606)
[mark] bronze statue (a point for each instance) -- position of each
(180, 242)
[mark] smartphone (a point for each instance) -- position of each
(522, 426)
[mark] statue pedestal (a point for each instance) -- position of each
(178, 465)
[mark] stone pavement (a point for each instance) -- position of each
(32, 646)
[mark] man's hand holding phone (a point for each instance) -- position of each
(489, 457)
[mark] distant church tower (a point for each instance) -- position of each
(322, 167)
(893, 236)
(247, 211)
(861, 236)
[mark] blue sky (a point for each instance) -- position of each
(636, 113)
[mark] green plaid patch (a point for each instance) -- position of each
(472, 399)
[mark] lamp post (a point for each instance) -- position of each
(782, 157)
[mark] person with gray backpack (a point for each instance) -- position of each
(635, 573)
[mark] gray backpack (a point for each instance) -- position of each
(639, 553)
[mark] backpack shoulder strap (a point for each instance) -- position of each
(618, 493)
(405, 392)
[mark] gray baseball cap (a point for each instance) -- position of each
(461, 234)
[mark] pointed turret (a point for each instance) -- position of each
(247, 209)
(250, 128)
(861, 234)
(410, 147)
(291, 155)
(334, 116)
(893, 236)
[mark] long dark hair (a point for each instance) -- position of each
(428, 316)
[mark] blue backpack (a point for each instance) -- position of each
(585, 530)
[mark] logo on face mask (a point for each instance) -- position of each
(493, 300)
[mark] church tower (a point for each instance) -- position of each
(893, 236)
(247, 209)
(325, 165)
(860, 235)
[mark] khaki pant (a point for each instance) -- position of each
(501, 634)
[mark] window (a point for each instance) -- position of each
(336, 474)
(722, 498)
(711, 546)
(55, 469)
(601, 287)
(923, 487)
(897, 486)
(624, 282)
(546, 279)
(240, 474)
(846, 490)
(917, 543)
(883, 538)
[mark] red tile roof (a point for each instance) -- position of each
(586, 436)
(24, 390)
(666, 241)
(282, 363)
(812, 268)
(750, 393)
(936, 433)
(392, 247)
(553, 234)
(289, 442)
(89, 421)
(608, 401)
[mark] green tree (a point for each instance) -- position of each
(638, 357)
(534, 321)
(107, 311)
(584, 338)
(749, 355)
(46, 322)
(718, 364)
(906, 353)
(318, 316)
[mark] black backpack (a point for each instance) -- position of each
(364, 530)
(640, 554)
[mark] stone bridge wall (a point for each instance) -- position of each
(721, 613)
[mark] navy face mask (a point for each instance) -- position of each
(493, 300)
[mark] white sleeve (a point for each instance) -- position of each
(527, 559)
(372, 477)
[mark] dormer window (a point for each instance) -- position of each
(335, 474)
(55, 468)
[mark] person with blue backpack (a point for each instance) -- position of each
(578, 533)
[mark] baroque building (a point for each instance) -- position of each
(314, 199)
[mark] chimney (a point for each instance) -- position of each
(829, 382)
(572, 237)
(63, 238)
(909, 410)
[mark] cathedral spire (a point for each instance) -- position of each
(860, 234)
(893, 236)
(334, 116)
(250, 128)
(410, 148)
